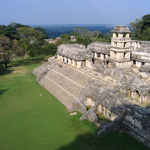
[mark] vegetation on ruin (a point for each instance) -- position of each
(29, 121)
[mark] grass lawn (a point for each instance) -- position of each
(31, 122)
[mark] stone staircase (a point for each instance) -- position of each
(62, 95)
(72, 74)
(45, 66)
(65, 83)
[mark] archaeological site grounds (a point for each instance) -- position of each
(94, 98)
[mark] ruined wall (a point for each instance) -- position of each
(136, 44)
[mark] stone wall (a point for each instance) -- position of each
(136, 44)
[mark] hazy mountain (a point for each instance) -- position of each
(57, 30)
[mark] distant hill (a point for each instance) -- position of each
(57, 30)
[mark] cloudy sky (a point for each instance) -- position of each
(41, 12)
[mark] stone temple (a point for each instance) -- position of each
(113, 79)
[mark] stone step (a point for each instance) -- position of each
(50, 64)
(34, 72)
(64, 97)
(42, 68)
(37, 71)
(66, 83)
(45, 66)
(74, 75)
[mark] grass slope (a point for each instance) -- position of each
(31, 122)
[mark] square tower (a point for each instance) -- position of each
(120, 47)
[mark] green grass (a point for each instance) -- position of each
(31, 122)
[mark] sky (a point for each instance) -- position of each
(45, 12)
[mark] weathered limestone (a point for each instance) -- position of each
(100, 96)
(77, 105)
(69, 61)
(106, 127)
(57, 39)
(145, 70)
(141, 57)
(50, 41)
(79, 63)
(74, 54)
(134, 120)
(120, 47)
(90, 115)
(73, 63)
(138, 64)
(73, 38)
(102, 56)
(65, 60)
(88, 64)
(106, 56)
(95, 55)
(136, 44)
(100, 50)
(102, 82)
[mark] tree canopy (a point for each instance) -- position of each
(17, 40)
(5, 50)
(140, 28)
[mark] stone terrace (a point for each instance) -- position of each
(64, 82)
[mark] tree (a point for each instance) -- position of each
(5, 50)
(17, 49)
(49, 49)
(41, 30)
(28, 34)
(32, 52)
(79, 31)
(85, 33)
(93, 35)
(65, 38)
(146, 34)
(136, 27)
(2, 29)
(86, 41)
(11, 30)
(139, 27)
(146, 21)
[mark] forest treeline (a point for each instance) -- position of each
(21, 40)
(57, 30)
(141, 28)
(140, 31)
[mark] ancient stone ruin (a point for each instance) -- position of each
(110, 79)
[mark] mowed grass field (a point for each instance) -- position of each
(31, 122)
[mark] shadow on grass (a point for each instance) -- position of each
(24, 62)
(3, 90)
(20, 62)
(112, 141)
(4, 71)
